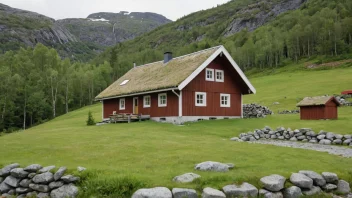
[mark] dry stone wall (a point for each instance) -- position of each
(303, 183)
(303, 135)
(37, 181)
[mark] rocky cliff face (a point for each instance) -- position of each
(23, 28)
(258, 14)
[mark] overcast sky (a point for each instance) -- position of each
(59, 9)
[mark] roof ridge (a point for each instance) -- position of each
(193, 53)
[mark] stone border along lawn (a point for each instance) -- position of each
(325, 139)
(37, 181)
(305, 182)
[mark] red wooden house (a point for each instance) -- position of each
(320, 107)
(203, 85)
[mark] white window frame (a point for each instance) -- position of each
(204, 94)
(124, 104)
(228, 100)
(144, 100)
(159, 101)
(206, 74)
(222, 75)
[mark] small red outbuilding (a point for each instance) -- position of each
(320, 107)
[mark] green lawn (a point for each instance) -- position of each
(150, 154)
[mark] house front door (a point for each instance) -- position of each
(135, 105)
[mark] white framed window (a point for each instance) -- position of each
(209, 74)
(219, 75)
(201, 99)
(146, 101)
(162, 100)
(124, 82)
(122, 104)
(225, 100)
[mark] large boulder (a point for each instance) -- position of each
(4, 172)
(12, 181)
(46, 169)
(81, 168)
(56, 184)
(19, 173)
(43, 195)
(69, 179)
(212, 166)
(293, 192)
(330, 177)
(317, 178)
(244, 190)
(343, 187)
(329, 187)
(158, 192)
(21, 190)
(212, 193)
(59, 173)
(186, 178)
(4, 188)
(66, 191)
(274, 195)
(325, 142)
(33, 168)
(312, 191)
(39, 187)
(273, 183)
(301, 180)
(25, 183)
(44, 178)
(330, 136)
(184, 193)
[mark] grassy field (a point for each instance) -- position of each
(123, 157)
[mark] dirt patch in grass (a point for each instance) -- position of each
(330, 64)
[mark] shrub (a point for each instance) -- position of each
(90, 120)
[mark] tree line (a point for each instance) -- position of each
(37, 85)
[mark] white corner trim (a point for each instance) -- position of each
(228, 100)
(180, 105)
(102, 110)
(222, 75)
(204, 94)
(150, 101)
(208, 61)
(159, 104)
(124, 104)
(241, 105)
(212, 74)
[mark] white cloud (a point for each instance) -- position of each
(59, 9)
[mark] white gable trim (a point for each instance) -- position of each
(209, 60)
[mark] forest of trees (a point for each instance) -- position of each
(319, 28)
(37, 85)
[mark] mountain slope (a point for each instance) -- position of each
(258, 34)
(75, 38)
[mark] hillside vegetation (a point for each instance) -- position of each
(123, 157)
(253, 32)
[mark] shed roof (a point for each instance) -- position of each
(316, 101)
(176, 73)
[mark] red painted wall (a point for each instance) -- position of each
(329, 111)
(154, 111)
(232, 85)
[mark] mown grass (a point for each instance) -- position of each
(124, 157)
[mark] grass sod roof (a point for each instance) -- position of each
(157, 75)
(316, 101)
